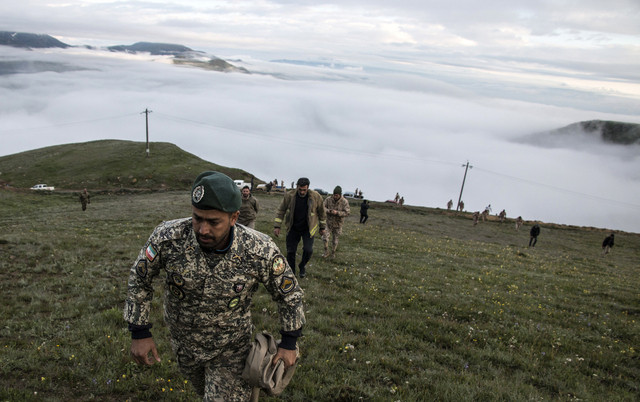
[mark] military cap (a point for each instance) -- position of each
(215, 190)
(337, 190)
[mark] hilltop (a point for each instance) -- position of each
(30, 40)
(108, 165)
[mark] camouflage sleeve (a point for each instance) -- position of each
(284, 288)
(255, 205)
(140, 287)
(347, 208)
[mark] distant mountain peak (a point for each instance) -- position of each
(156, 49)
(614, 132)
(586, 135)
(29, 40)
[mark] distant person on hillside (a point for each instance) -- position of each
(503, 214)
(364, 211)
(401, 201)
(534, 232)
(607, 244)
(397, 198)
(305, 216)
(337, 208)
(249, 209)
(449, 205)
(461, 206)
(519, 222)
(211, 268)
(485, 214)
(268, 186)
(476, 216)
(85, 199)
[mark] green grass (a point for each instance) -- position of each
(418, 305)
(108, 164)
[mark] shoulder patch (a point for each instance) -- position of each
(141, 268)
(176, 291)
(278, 266)
(233, 303)
(150, 252)
(286, 284)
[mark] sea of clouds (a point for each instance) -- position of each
(375, 128)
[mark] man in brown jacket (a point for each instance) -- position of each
(249, 209)
(305, 218)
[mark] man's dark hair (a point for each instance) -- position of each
(303, 181)
(246, 187)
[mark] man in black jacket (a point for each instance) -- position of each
(535, 231)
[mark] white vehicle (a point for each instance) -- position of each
(241, 183)
(42, 187)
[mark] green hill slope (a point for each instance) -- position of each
(108, 165)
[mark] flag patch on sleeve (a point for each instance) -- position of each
(151, 252)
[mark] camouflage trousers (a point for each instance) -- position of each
(332, 233)
(219, 379)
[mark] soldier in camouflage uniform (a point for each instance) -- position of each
(212, 268)
(337, 208)
(85, 199)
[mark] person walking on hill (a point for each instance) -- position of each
(364, 211)
(449, 205)
(503, 214)
(534, 232)
(85, 199)
(305, 218)
(337, 208)
(476, 216)
(607, 244)
(212, 267)
(519, 222)
(249, 209)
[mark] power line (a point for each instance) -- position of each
(595, 197)
(73, 123)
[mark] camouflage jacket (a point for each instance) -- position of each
(208, 296)
(341, 206)
(316, 216)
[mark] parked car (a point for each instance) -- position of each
(42, 187)
(241, 183)
(320, 191)
(349, 194)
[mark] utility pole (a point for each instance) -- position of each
(146, 112)
(466, 167)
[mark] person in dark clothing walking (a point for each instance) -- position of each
(306, 217)
(364, 214)
(535, 231)
(607, 244)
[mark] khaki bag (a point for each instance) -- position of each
(258, 371)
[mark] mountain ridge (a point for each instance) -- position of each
(182, 55)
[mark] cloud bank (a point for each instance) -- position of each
(379, 131)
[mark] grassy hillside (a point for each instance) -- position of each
(418, 305)
(108, 165)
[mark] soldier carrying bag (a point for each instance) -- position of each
(259, 372)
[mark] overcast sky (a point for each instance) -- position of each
(395, 97)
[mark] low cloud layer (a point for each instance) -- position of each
(377, 130)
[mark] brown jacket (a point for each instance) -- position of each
(316, 216)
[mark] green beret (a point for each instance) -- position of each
(337, 190)
(215, 190)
